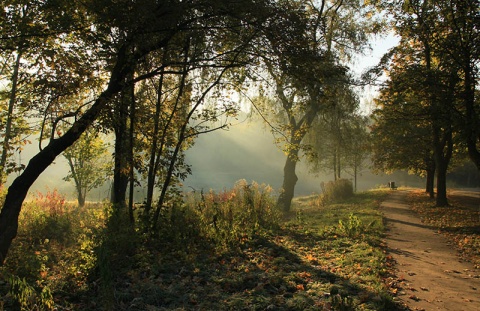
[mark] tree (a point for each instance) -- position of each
(421, 57)
(89, 164)
(18, 22)
(306, 67)
(119, 37)
(458, 42)
(335, 132)
(358, 146)
(401, 133)
(120, 64)
(123, 106)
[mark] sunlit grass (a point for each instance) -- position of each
(218, 251)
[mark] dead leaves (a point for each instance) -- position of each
(414, 297)
(459, 223)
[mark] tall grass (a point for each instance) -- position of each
(60, 248)
(53, 250)
(226, 218)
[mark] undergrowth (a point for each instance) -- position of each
(230, 250)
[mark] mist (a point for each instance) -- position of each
(218, 159)
(247, 151)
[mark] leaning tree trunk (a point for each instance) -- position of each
(289, 181)
(20, 186)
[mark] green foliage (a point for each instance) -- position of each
(47, 216)
(89, 164)
(54, 248)
(353, 227)
(340, 189)
(28, 298)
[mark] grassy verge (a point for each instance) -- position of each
(459, 222)
(318, 258)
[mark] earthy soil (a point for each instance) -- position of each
(430, 274)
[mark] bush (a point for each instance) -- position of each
(28, 298)
(351, 228)
(339, 189)
(233, 216)
(54, 249)
(46, 217)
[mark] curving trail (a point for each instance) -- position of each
(430, 274)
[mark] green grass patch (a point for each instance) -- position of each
(218, 251)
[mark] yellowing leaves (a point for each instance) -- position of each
(311, 258)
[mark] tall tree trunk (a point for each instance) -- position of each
(122, 151)
(355, 176)
(472, 123)
(442, 154)
(158, 153)
(339, 167)
(181, 135)
(289, 181)
(442, 135)
(9, 121)
(20, 186)
(152, 167)
(441, 199)
(120, 173)
(429, 185)
(131, 176)
(80, 198)
(289, 176)
(429, 161)
(81, 193)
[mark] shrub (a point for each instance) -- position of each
(28, 298)
(53, 251)
(47, 216)
(351, 228)
(233, 216)
(339, 189)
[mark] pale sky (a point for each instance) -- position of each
(380, 46)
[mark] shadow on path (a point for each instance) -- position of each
(430, 274)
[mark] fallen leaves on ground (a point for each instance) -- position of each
(459, 222)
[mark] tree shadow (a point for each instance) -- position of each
(262, 275)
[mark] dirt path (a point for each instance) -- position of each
(431, 275)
